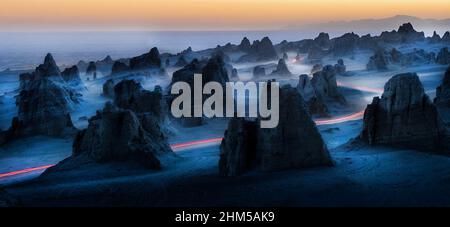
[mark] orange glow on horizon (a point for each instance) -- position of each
(194, 14)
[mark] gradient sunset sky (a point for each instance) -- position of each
(202, 14)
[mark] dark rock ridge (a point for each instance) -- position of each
(435, 38)
(325, 85)
(294, 143)
(446, 37)
(443, 56)
(345, 44)
(282, 69)
(316, 68)
(383, 60)
(443, 91)
(323, 40)
(43, 104)
(404, 116)
(315, 54)
(116, 134)
(181, 62)
(406, 33)
(260, 51)
(146, 61)
(245, 45)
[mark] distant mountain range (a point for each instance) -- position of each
(376, 26)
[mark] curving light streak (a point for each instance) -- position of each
(194, 143)
(361, 88)
(352, 117)
(28, 170)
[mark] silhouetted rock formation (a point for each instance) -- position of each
(72, 77)
(325, 85)
(405, 33)
(285, 57)
(108, 88)
(294, 143)
(316, 68)
(323, 40)
(435, 38)
(259, 71)
(43, 104)
(446, 37)
(115, 134)
(345, 44)
(314, 103)
(378, 61)
(91, 70)
(403, 116)
(282, 69)
(340, 67)
(260, 51)
(234, 73)
(443, 91)
(245, 45)
(146, 61)
(119, 67)
(215, 71)
(443, 56)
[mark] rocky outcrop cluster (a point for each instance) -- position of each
(116, 134)
(383, 60)
(325, 85)
(108, 89)
(119, 67)
(340, 67)
(403, 116)
(405, 33)
(315, 54)
(294, 143)
(43, 103)
(72, 77)
(378, 61)
(146, 61)
(315, 104)
(259, 51)
(282, 69)
(345, 45)
(259, 71)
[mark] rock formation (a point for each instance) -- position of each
(435, 38)
(108, 89)
(294, 143)
(345, 44)
(340, 67)
(315, 54)
(443, 56)
(245, 45)
(72, 77)
(146, 61)
(119, 67)
(325, 85)
(316, 68)
(403, 116)
(259, 71)
(181, 62)
(43, 104)
(405, 33)
(323, 40)
(260, 51)
(282, 69)
(443, 91)
(315, 104)
(446, 37)
(91, 70)
(115, 134)
(378, 61)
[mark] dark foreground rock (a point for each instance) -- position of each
(443, 56)
(315, 104)
(44, 103)
(325, 85)
(282, 69)
(115, 134)
(294, 143)
(443, 91)
(404, 116)
(108, 88)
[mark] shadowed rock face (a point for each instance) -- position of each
(315, 54)
(43, 104)
(181, 62)
(282, 69)
(340, 67)
(108, 88)
(72, 76)
(215, 70)
(92, 70)
(323, 40)
(325, 85)
(260, 51)
(378, 61)
(443, 56)
(145, 61)
(119, 67)
(405, 33)
(315, 104)
(116, 135)
(403, 116)
(294, 143)
(443, 91)
(245, 45)
(446, 37)
(129, 94)
(345, 44)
